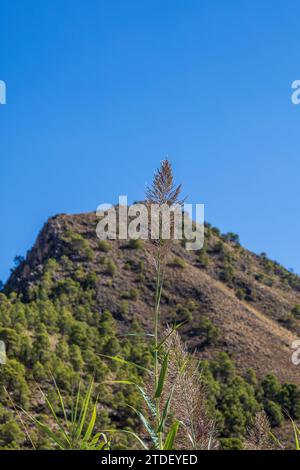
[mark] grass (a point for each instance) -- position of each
(76, 431)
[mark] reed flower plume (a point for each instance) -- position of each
(197, 431)
(161, 425)
(259, 435)
(163, 189)
(162, 192)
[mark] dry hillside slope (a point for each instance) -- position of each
(249, 298)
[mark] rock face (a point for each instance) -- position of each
(247, 298)
(47, 246)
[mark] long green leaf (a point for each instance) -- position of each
(75, 413)
(138, 335)
(144, 395)
(170, 439)
(148, 401)
(91, 425)
(174, 328)
(165, 412)
(116, 431)
(162, 376)
(61, 444)
(147, 425)
(123, 361)
(60, 399)
(276, 440)
(94, 443)
(60, 426)
(296, 435)
(84, 410)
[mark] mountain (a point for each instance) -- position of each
(75, 298)
(248, 297)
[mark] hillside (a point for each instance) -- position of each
(247, 296)
(74, 297)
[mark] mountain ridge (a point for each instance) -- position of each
(250, 314)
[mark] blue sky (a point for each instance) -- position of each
(98, 92)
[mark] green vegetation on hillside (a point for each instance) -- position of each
(84, 307)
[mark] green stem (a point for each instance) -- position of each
(159, 283)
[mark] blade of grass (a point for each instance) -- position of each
(165, 412)
(60, 399)
(74, 416)
(162, 376)
(115, 431)
(56, 418)
(174, 328)
(84, 410)
(296, 435)
(123, 361)
(137, 334)
(91, 425)
(61, 444)
(169, 442)
(144, 395)
(147, 426)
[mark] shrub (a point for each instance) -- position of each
(240, 293)
(228, 256)
(231, 237)
(178, 263)
(289, 398)
(245, 292)
(136, 266)
(192, 305)
(135, 244)
(75, 242)
(208, 332)
(13, 379)
(216, 231)
(18, 260)
(289, 321)
(90, 282)
(203, 258)
(259, 277)
(274, 413)
(11, 435)
(39, 372)
(227, 275)
(231, 443)
(184, 314)
(296, 311)
(124, 308)
(218, 247)
(271, 387)
(76, 358)
(110, 267)
(132, 294)
(104, 246)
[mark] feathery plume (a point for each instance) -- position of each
(189, 401)
(163, 189)
(259, 434)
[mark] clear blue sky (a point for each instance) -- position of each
(98, 92)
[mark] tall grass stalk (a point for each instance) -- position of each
(161, 192)
(160, 426)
